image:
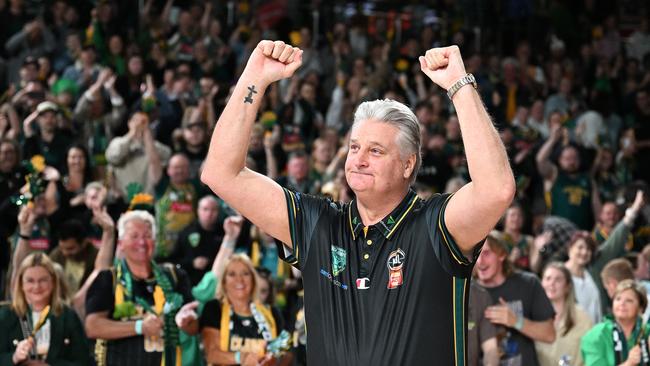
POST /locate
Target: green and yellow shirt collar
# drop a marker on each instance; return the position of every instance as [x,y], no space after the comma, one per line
[389,224]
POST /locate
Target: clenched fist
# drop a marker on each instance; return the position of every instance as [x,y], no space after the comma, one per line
[444,66]
[272,61]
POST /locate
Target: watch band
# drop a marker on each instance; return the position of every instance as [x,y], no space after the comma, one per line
[465,80]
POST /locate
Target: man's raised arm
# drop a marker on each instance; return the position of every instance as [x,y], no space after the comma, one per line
[474,210]
[255,196]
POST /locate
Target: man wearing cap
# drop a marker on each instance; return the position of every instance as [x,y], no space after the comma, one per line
[192,139]
[48,140]
[386,276]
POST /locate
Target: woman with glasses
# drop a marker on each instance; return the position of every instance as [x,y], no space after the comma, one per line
[38,328]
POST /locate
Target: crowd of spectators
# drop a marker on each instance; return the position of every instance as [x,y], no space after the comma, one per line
[117,101]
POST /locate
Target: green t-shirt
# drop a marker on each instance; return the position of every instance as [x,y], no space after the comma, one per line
[597,346]
[571,199]
[175,209]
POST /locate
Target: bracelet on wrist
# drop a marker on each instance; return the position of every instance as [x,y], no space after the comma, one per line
[238,357]
[138,327]
[24,237]
[468,79]
[229,244]
[519,324]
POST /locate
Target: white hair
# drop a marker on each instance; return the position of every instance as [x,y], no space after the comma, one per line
[135,215]
[399,115]
[92,186]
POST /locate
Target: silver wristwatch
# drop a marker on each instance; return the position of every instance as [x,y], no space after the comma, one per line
[467,79]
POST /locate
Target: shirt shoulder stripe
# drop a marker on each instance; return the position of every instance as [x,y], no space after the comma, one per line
[291,207]
[453,248]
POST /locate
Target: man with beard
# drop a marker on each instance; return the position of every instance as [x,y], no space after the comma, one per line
[75,253]
[570,193]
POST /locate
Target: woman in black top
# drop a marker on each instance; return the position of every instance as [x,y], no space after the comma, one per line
[236,327]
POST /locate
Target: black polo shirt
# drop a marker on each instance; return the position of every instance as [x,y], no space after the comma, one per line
[394,294]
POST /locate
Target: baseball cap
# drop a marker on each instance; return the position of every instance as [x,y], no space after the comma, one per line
[46,106]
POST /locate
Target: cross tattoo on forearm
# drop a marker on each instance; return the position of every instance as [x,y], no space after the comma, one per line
[249,97]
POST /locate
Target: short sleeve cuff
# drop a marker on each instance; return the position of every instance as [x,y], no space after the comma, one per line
[449,241]
[290,255]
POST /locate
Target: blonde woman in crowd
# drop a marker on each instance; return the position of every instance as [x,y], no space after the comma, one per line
[38,327]
[571,322]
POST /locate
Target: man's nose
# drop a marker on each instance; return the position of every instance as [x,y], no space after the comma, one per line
[361,159]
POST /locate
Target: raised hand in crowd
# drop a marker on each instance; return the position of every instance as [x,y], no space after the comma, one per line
[102,219]
[26,220]
[539,244]
[232,228]
[137,127]
[632,212]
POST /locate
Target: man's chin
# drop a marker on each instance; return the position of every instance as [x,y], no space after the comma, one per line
[358,183]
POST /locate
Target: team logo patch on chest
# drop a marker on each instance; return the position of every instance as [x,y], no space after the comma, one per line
[395,263]
[339,258]
[194,239]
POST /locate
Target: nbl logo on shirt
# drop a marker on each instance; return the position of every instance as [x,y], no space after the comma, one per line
[396,260]
[395,263]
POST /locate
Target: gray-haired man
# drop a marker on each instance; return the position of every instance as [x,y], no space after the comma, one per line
[386,276]
[131,307]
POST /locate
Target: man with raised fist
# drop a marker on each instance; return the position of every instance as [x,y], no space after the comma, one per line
[386,276]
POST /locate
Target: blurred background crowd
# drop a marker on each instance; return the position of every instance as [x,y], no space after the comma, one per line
[109,105]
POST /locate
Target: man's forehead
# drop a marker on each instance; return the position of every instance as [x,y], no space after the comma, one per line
[138,223]
[179,160]
[208,202]
[373,131]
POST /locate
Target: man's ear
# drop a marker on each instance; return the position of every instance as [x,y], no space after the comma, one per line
[409,166]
